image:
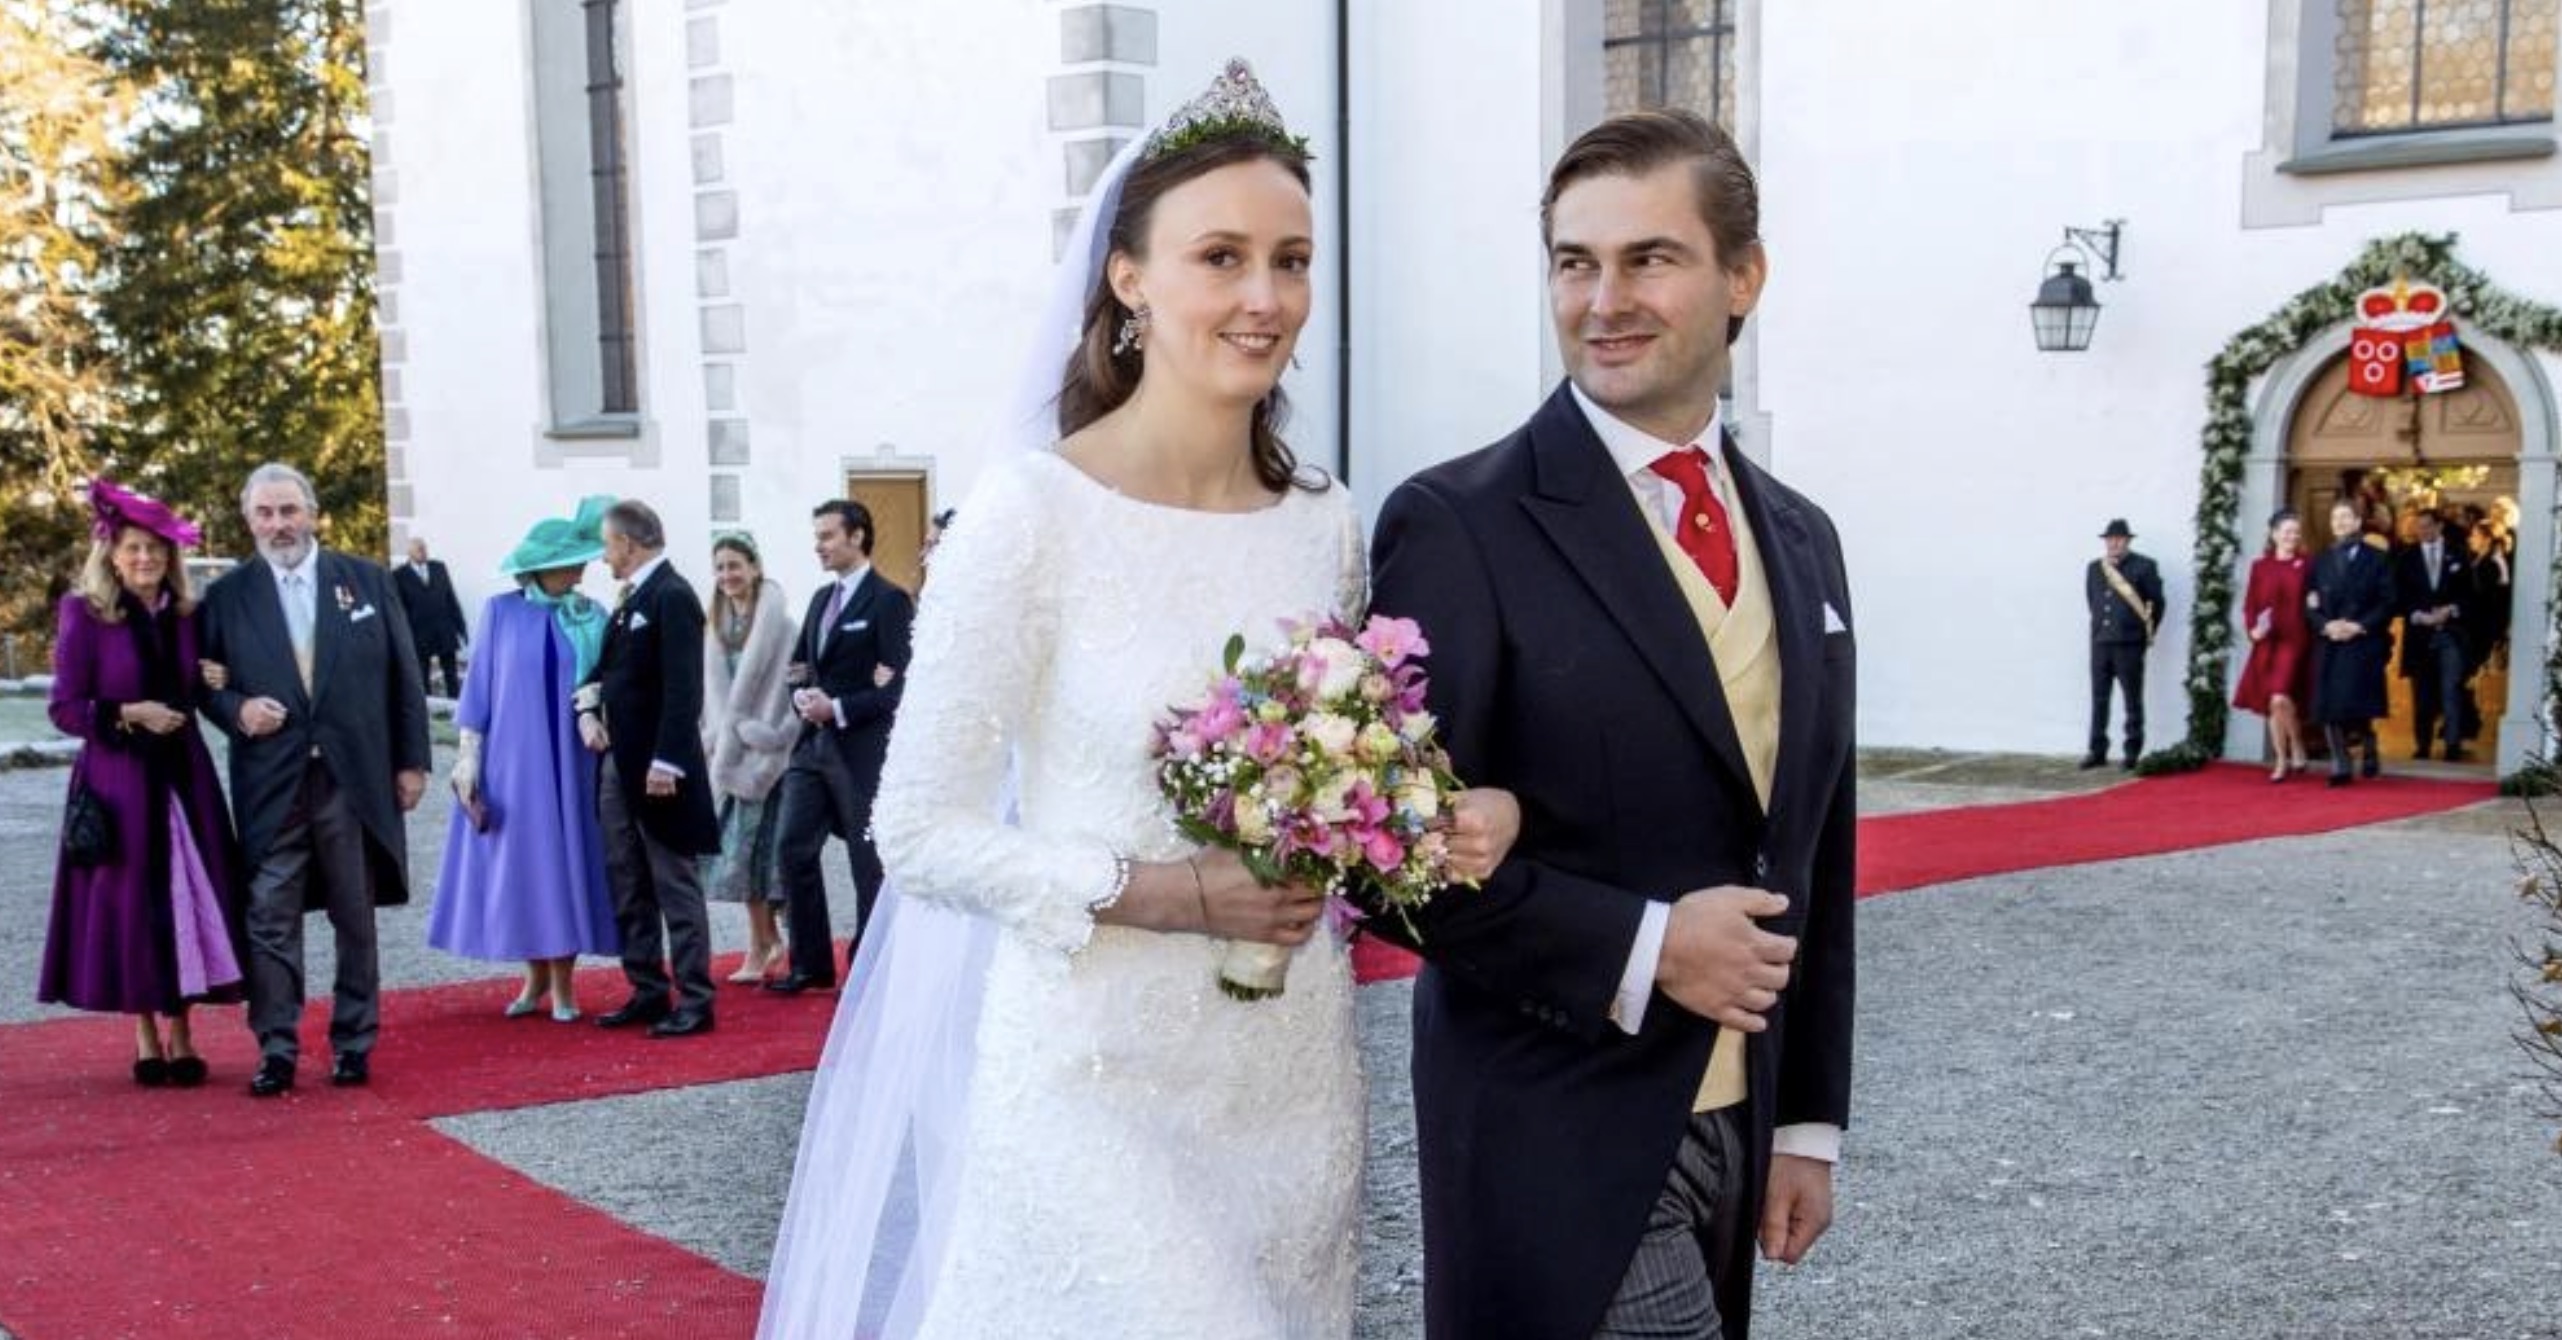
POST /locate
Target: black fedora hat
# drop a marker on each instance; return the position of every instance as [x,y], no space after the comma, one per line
[2117,530]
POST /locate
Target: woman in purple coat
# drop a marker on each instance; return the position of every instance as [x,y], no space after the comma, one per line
[524,872]
[152,925]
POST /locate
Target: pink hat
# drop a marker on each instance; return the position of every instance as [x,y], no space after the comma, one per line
[114,506]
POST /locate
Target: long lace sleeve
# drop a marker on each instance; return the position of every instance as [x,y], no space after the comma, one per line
[984,637]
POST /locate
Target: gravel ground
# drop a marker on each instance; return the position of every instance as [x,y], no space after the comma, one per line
[2262,1091]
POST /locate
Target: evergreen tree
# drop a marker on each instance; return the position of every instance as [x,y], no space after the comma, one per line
[240,296]
[59,187]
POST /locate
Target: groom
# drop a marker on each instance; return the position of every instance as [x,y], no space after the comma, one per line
[1632,1046]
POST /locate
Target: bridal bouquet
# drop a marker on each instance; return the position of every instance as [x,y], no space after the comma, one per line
[1318,766]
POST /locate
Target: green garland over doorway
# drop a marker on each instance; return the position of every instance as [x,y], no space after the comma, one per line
[2478,303]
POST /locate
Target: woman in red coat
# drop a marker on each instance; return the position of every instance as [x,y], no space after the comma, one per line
[148,925]
[2275,678]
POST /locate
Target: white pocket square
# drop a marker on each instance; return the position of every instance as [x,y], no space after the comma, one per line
[855,627]
[1832,619]
[639,620]
[361,615]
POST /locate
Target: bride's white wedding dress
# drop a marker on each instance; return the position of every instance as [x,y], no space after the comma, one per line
[1142,1155]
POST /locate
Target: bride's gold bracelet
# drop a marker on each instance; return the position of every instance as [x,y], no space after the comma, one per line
[1193,864]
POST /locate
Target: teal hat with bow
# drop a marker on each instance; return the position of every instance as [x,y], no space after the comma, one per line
[558,542]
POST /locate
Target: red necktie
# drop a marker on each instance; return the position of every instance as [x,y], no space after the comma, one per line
[1702,531]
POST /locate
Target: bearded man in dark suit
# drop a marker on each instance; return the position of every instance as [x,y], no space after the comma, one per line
[320,696]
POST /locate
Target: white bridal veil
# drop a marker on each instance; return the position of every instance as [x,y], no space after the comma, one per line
[863,1235]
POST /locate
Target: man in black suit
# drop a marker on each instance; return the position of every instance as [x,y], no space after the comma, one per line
[2434,586]
[642,708]
[1621,1081]
[2124,591]
[849,672]
[328,728]
[436,624]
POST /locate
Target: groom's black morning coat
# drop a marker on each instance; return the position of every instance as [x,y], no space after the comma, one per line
[1567,667]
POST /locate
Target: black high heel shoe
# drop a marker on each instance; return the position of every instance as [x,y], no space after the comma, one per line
[186,1072]
[151,1072]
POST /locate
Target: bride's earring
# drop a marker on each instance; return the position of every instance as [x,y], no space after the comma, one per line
[1134,332]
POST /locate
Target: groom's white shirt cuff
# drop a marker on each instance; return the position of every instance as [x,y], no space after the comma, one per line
[1820,1140]
[1637,980]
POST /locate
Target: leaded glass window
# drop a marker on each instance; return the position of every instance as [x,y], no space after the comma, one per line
[616,347]
[2407,65]
[1670,53]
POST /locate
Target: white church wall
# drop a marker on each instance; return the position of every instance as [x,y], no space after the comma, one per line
[1909,198]
[1450,311]
[894,174]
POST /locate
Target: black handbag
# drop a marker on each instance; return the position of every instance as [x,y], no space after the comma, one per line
[88,829]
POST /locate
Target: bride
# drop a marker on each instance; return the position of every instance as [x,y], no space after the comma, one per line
[1038,1116]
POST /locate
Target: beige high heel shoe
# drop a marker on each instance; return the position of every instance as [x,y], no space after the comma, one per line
[754,969]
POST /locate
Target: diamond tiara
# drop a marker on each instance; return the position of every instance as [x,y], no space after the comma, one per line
[1234,105]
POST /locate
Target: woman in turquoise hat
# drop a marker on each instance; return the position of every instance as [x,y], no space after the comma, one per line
[524,871]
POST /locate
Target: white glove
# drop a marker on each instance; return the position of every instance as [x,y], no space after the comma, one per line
[467,765]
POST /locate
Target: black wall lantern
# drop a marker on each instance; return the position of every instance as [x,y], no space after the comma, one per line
[2066,310]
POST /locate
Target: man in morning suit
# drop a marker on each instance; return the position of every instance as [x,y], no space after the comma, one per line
[2124,591]
[436,624]
[2434,586]
[328,728]
[1632,1045]
[642,708]
[850,670]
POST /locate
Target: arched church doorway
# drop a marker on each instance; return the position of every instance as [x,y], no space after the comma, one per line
[2455,454]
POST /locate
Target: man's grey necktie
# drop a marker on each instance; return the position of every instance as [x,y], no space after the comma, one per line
[835,611]
[298,603]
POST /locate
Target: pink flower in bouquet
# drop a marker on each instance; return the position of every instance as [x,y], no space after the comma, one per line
[1220,721]
[1268,742]
[1393,641]
[1411,687]
[1382,849]
[1364,806]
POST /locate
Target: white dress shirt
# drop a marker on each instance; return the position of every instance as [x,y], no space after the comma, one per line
[1635,451]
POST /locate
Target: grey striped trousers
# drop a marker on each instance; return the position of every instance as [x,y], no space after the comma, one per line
[1697,1247]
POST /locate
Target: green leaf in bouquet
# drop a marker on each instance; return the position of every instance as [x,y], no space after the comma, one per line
[1235,652]
[1203,831]
[1259,863]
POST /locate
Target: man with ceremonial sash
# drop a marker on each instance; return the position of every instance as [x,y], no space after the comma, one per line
[2124,589]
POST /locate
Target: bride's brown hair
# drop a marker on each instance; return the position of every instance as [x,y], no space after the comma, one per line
[1097,380]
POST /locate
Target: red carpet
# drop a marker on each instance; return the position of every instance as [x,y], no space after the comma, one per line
[201,1215]
[197,1215]
[2228,802]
